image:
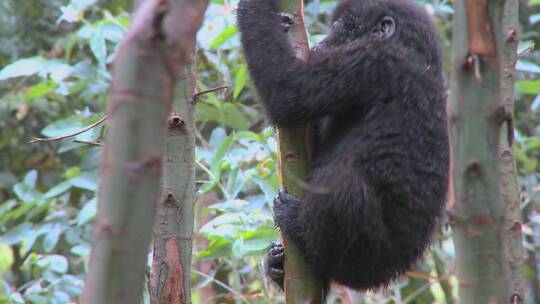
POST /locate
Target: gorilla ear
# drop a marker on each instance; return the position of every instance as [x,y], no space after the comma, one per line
[385,28]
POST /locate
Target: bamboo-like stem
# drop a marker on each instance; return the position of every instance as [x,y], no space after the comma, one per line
[483,216]
[147,66]
[301,284]
[173,227]
[510,185]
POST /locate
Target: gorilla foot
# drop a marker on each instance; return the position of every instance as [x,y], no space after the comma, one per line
[286,21]
[274,260]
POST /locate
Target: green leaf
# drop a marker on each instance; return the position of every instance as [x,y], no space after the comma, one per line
[215,165]
[86,181]
[232,117]
[527,66]
[243,247]
[267,189]
[206,112]
[62,127]
[234,205]
[6,258]
[16,298]
[98,46]
[81,250]
[254,242]
[56,263]
[224,36]
[72,172]
[41,89]
[248,135]
[61,297]
[52,237]
[30,178]
[58,189]
[241,79]
[17,233]
[87,212]
[224,225]
[218,248]
[22,67]
[26,193]
[528,86]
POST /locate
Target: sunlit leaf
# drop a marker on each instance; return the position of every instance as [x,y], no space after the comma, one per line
[86,181]
[528,86]
[224,36]
[52,237]
[81,250]
[241,79]
[87,212]
[22,67]
[56,263]
[58,189]
[218,248]
[527,66]
[98,46]
[17,233]
[41,89]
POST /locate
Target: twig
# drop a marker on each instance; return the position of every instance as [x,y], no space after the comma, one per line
[90,143]
[196,95]
[526,50]
[227,287]
[90,127]
[204,142]
[425,276]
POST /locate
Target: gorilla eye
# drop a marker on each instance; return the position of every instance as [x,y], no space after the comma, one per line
[385,28]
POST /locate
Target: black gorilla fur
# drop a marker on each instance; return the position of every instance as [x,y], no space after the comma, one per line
[375,88]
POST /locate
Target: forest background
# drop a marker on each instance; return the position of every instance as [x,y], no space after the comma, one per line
[55,58]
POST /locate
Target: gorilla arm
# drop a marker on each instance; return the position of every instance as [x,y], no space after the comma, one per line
[330,82]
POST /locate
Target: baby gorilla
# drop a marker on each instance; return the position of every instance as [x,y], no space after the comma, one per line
[374,88]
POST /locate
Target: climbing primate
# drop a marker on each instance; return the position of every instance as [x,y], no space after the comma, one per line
[374,88]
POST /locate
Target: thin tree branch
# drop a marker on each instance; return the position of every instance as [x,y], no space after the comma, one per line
[227,287]
[90,143]
[526,50]
[196,95]
[90,127]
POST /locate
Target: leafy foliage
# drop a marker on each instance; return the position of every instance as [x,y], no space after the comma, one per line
[54,78]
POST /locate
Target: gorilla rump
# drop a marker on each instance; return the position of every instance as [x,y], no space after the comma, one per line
[374,88]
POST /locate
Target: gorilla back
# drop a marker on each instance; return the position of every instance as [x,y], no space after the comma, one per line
[374,87]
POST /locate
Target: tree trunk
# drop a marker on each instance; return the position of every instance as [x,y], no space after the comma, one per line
[510,185]
[173,228]
[301,283]
[484,219]
[148,64]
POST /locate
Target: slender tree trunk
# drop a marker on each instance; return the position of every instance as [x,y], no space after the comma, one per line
[173,228]
[148,64]
[510,185]
[301,283]
[483,217]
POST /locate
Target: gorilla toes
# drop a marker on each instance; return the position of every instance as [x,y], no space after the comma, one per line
[286,21]
[274,260]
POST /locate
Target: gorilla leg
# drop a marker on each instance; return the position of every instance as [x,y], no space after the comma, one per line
[338,221]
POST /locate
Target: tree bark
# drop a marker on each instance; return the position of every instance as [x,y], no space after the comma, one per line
[510,185]
[487,230]
[173,228]
[148,64]
[301,284]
